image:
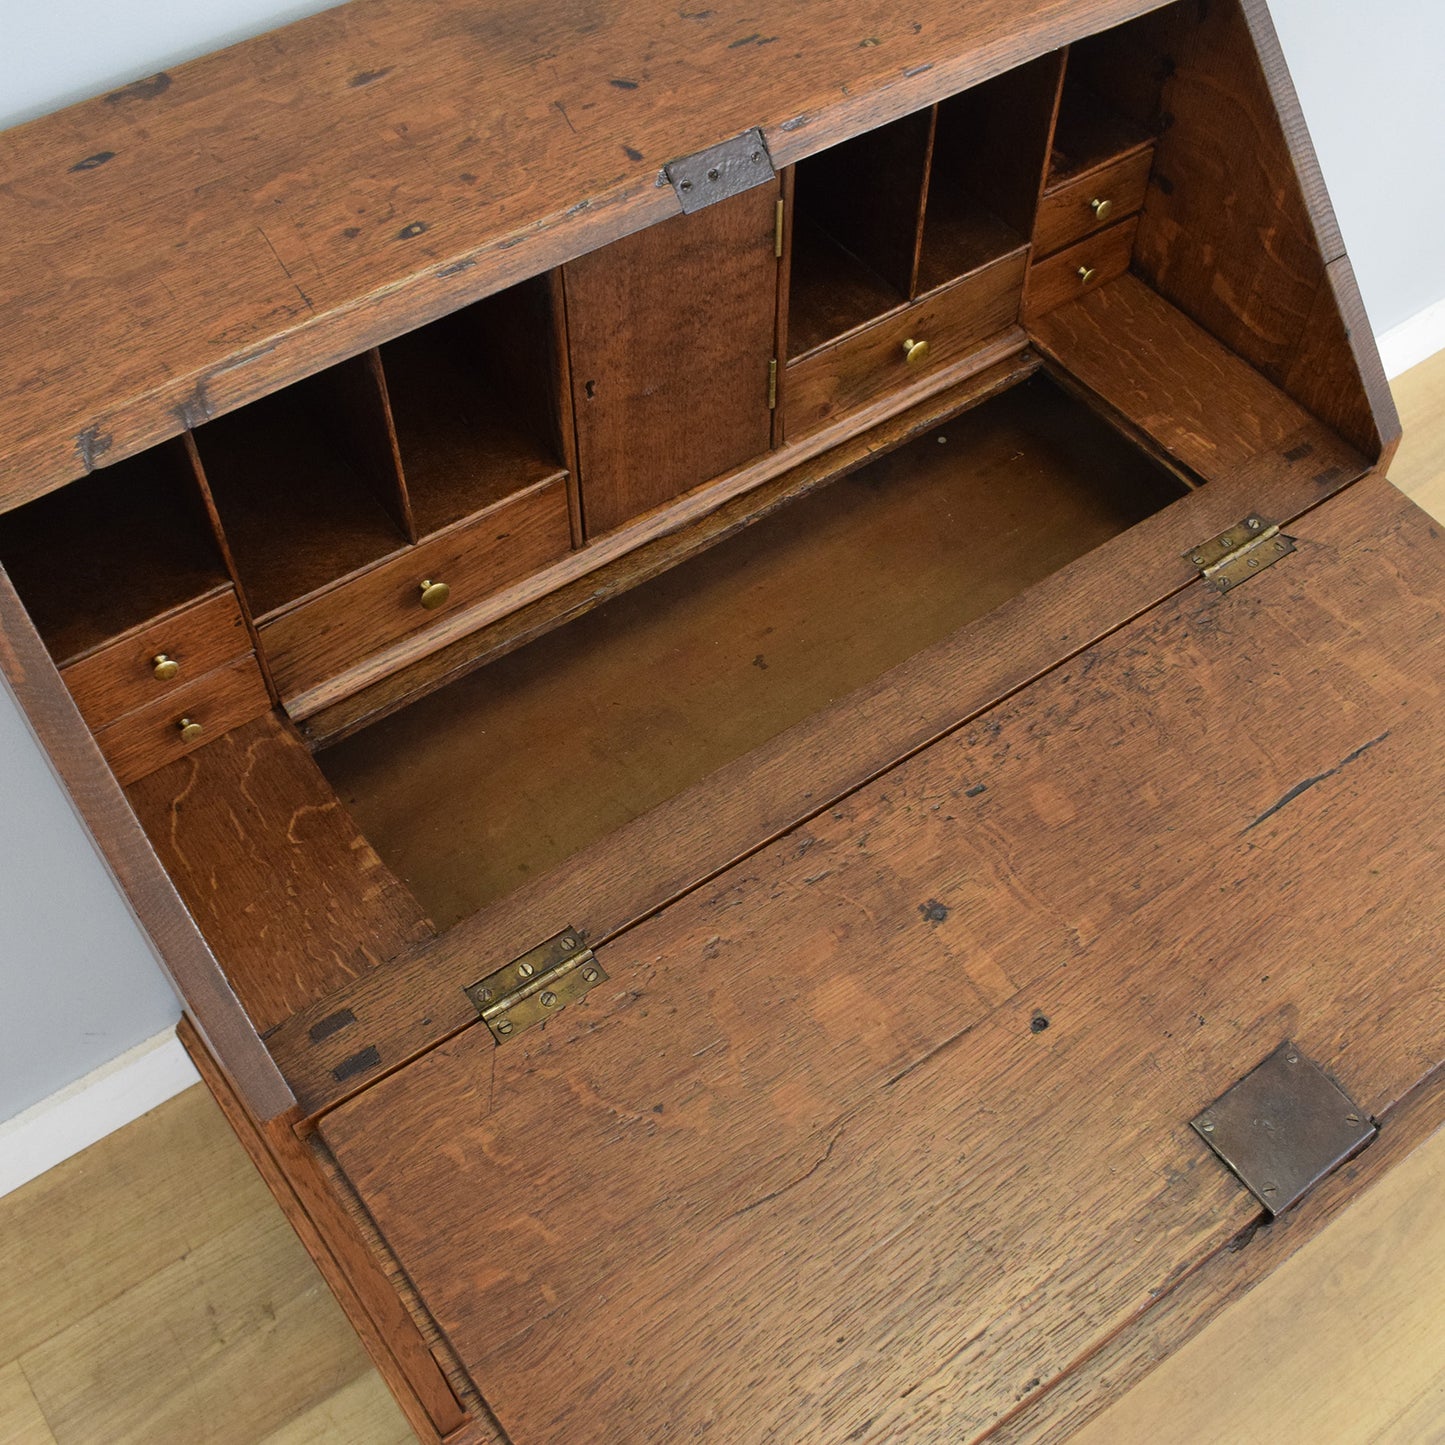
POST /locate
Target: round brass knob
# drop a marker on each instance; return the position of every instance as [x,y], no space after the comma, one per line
[165,668]
[189,730]
[1086,274]
[1102,208]
[915,353]
[434,595]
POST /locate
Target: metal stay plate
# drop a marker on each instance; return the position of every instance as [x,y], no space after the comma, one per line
[721,171]
[540,983]
[1283,1127]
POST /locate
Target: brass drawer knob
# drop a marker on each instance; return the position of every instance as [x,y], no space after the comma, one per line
[190,730]
[434,595]
[165,668]
[915,353]
[1086,274]
[1102,208]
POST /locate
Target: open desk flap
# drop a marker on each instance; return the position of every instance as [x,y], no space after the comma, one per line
[877,1134]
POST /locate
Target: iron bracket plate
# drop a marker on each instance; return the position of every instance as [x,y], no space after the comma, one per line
[540,983]
[1283,1127]
[709,176]
[1245,549]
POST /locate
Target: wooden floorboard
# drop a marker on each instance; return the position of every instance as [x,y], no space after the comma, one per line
[119,1253]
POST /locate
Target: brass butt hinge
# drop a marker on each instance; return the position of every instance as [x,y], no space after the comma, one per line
[773,384]
[778,230]
[540,983]
[1237,555]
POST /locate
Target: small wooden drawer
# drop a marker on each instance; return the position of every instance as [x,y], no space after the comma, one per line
[1071,210]
[1080,268]
[872,361]
[152,736]
[369,612]
[129,672]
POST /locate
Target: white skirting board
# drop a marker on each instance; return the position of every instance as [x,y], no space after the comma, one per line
[92,1107]
[1413,340]
[154,1071]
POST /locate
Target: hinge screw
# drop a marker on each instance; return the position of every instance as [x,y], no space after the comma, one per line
[1199,561]
[568,944]
[526,970]
[484,995]
[1207,1125]
[1271,1189]
[505,1027]
[590,974]
[1254,524]
[548,999]
[1352,1118]
[1291,1058]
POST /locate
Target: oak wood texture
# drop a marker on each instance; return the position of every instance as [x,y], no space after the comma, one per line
[719,1235]
[993,144]
[589,579]
[475,406]
[121,675]
[150,737]
[1079,269]
[1267,1335]
[288,263]
[298,510]
[1206,408]
[320,638]
[288,893]
[111,553]
[497,779]
[345,1259]
[866,197]
[462,632]
[832,382]
[671,332]
[122,844]
[1066,210]
[417,1001]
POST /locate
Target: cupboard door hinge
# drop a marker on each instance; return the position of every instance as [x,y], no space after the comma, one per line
[1283,1127]
[720,171]
[773,384]
[778,230]
[540,983]
[1237,555]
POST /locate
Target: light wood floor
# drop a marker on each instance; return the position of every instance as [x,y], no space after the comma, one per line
[154,1294]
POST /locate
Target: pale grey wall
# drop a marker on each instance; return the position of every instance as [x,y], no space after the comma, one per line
[78,983]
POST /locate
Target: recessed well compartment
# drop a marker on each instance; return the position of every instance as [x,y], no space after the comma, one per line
[501,776]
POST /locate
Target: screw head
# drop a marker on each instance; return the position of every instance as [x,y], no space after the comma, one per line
[1207,1125]
[1352,1118]
[484,995]
[590,974]
[526,970]
[568,944]
[1291,1058]
[505,1027]
[548,998]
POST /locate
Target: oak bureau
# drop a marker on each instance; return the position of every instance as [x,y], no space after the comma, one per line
[757,673]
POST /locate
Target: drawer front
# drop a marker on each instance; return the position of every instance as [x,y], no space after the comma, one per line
[1068,213]
[128,673]
[1080,268]
[872,362]
[151,736]
[362,616]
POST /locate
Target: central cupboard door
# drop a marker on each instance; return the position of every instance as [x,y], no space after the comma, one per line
[877,1133]
[671,334]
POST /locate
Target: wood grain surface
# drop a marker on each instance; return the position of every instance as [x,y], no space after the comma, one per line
[241,256]
[288,893]
[1165,376]
[418,1001]
[671,332]
[690,1149]
[838,379]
